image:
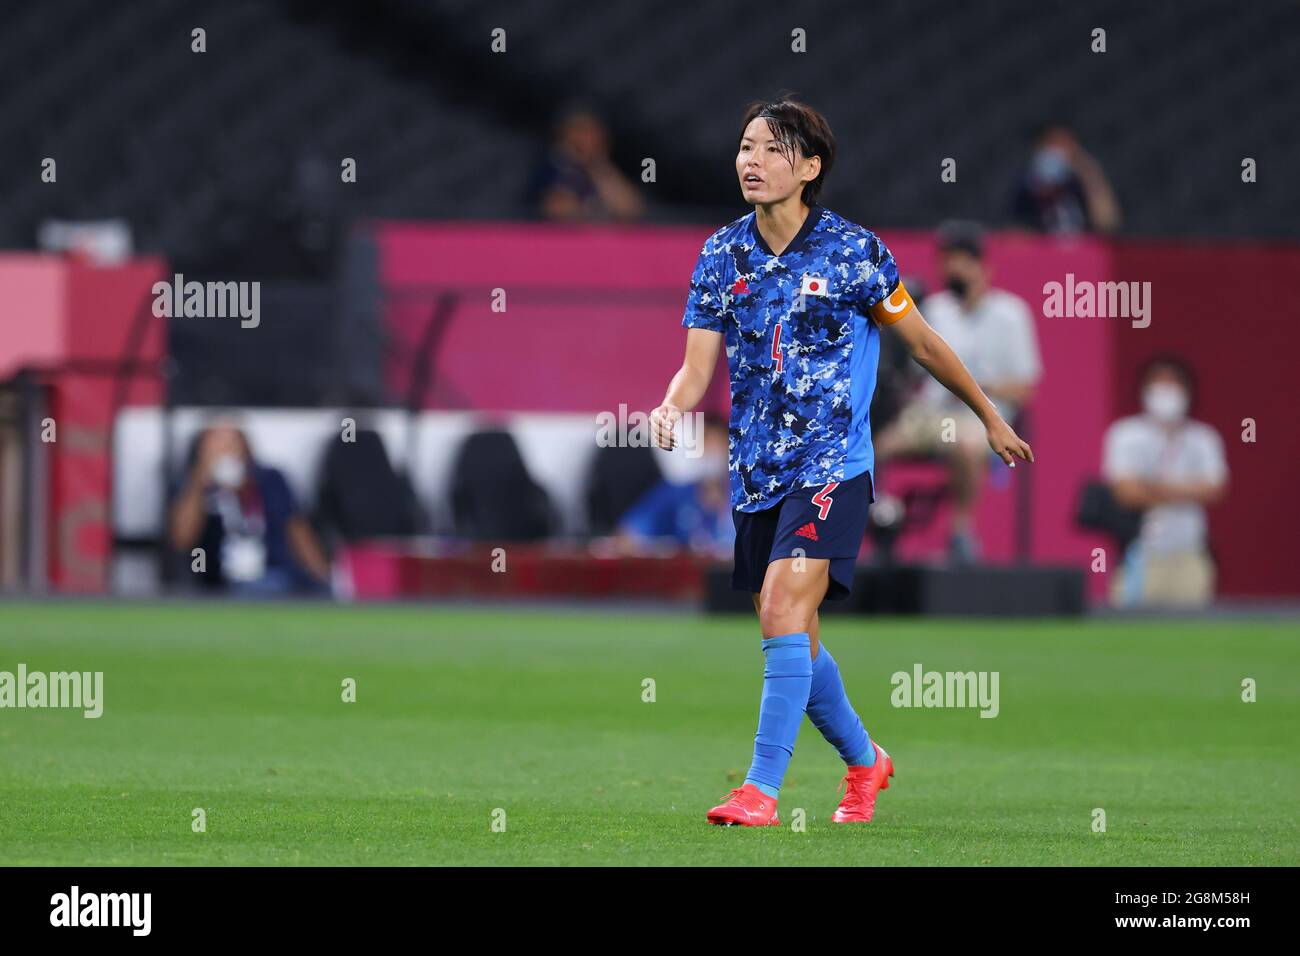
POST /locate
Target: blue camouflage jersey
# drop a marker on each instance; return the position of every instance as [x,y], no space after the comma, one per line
[802,339]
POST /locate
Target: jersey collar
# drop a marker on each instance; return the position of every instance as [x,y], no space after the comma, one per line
[800,237]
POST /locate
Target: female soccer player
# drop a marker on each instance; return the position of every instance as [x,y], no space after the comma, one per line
[799,295]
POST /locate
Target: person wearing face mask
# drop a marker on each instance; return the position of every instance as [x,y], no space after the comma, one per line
[992,331]
[1063,189]
[1169,467]
[244,517]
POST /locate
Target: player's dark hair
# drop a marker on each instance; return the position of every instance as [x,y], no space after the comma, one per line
[1168,362]
[800,130]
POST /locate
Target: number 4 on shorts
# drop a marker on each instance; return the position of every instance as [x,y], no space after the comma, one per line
[823,500]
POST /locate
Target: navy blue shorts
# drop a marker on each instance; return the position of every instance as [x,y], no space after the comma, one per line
[820,521]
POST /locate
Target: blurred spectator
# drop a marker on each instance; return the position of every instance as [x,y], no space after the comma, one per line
[992,331]
[244,517]
[695,515]
[577,181]
[1063,189]
[1169,467]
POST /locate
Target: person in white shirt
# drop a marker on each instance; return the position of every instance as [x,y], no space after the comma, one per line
[1169,467]
[992,332]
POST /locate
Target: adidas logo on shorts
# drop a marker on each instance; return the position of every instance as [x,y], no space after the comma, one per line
[808,531]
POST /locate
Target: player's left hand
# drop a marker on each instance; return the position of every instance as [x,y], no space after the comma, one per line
[1007,445]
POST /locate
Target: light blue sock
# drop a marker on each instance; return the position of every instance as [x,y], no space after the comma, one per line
[787,677]
[832,714]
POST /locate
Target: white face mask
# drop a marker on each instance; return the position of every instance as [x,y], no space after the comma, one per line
[229,471]
[1165,402]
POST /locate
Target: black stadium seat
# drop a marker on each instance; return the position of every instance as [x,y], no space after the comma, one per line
[493,497]
[361,494]
[618,477]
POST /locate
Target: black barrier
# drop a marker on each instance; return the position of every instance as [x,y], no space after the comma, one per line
[1022,590]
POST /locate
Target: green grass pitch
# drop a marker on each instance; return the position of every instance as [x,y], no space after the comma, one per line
[237,709]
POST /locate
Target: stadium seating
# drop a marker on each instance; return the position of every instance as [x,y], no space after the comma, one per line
[198,170]
[617,478]
[493,497]
[361,495]
[557,451]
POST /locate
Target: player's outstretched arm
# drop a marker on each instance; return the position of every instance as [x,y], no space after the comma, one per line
[934,355]
[688,385]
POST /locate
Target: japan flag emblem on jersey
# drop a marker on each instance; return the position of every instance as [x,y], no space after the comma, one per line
[814,285]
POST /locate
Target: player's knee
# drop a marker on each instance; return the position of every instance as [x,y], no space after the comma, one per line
[781,614]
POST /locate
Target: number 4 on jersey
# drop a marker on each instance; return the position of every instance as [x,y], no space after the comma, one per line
[776,346]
